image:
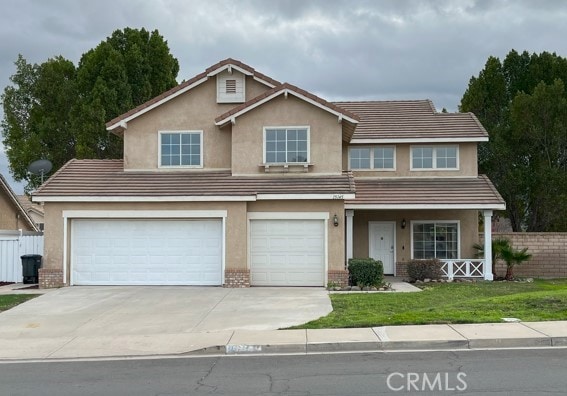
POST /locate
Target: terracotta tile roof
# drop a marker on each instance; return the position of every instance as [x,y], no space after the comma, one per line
[188,83]
[282,87]
[426,192]
[411,119]
[28,205]
[107,178]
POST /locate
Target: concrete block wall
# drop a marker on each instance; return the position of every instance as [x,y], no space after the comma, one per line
[548,250]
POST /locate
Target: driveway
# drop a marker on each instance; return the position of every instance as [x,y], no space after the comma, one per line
[86,311]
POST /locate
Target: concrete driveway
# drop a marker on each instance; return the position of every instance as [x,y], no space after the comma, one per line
[86,311]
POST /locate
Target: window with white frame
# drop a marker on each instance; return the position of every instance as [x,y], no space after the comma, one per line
[435,239]
[435,157]
[286,145]
[181,148]
[372,158]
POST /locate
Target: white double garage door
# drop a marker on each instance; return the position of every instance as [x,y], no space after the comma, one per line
[191,252]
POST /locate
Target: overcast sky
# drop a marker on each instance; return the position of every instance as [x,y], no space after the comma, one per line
[374,49]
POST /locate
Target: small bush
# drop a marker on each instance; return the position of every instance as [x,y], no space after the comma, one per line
[365,272]
[424,269]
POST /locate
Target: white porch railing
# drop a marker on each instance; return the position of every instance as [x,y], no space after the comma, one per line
[463,268]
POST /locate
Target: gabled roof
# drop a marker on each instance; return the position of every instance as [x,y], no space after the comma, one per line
[7,191]
[426,193]
[106,180]
[120,121]
[412,121]
[29,206]
[289,89]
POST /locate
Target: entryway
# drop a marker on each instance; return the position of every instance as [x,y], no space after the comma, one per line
[382,243]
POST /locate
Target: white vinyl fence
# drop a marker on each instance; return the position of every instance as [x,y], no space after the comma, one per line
[12,247]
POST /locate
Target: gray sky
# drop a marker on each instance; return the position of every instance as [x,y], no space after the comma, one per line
[376,49]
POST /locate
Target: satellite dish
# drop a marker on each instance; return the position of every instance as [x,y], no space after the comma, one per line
[40,167]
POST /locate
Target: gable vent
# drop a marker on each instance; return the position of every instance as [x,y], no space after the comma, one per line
[230,86]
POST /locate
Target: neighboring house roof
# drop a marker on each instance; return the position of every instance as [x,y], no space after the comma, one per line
[99,179]
[426,193]
[7,190]
[411,121]
[29,206]
[289,89]
[117,124]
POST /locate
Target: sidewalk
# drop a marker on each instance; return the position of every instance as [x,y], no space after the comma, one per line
[387,338]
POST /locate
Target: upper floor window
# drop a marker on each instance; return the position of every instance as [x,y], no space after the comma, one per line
[431,239]
[181,148]
[372,158]
[434,157]
[286,145]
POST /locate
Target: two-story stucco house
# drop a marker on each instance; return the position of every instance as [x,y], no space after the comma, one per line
[233,178]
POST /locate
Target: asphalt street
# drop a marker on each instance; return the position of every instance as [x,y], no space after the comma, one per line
[473,372]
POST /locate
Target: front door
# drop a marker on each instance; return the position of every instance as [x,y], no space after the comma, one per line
[382,243]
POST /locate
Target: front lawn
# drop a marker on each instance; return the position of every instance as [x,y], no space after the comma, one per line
[11,300]
[449,303]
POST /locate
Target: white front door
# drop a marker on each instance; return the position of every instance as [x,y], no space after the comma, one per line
[382,243]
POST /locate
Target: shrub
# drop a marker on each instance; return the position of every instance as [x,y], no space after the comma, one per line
[424,269]
[365,272]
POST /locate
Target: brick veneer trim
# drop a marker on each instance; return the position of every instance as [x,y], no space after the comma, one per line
[50,278]
[237,278]
[338,277]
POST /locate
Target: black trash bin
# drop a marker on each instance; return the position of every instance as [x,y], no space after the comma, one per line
[31,263]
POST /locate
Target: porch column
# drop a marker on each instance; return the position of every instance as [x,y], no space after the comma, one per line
[349,213]
[488,245]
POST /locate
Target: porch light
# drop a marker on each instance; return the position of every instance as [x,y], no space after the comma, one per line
[335,220]
[403,224]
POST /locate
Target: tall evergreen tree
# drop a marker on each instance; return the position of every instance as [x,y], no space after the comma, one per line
[57,111]
[519,101]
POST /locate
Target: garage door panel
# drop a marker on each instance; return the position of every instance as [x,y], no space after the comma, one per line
[287,252]
[130,252]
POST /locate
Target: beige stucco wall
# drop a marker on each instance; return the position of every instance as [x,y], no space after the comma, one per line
[336,235]
[193,110]
[235,227]
[467,163]
[325,135]
[468,229]
[10,217]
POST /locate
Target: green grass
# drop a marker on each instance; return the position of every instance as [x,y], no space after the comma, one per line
[449,303]
[11,300]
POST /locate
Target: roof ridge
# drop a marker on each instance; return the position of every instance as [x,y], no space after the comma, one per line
[282,87]
[475,119]
[491,186]
[189,82]
[432,106]
[383,101]
[50,179]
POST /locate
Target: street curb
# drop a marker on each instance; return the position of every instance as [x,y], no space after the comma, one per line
[389,346]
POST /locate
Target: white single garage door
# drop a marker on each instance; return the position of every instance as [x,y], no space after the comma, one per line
[287,252]
[146,252]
